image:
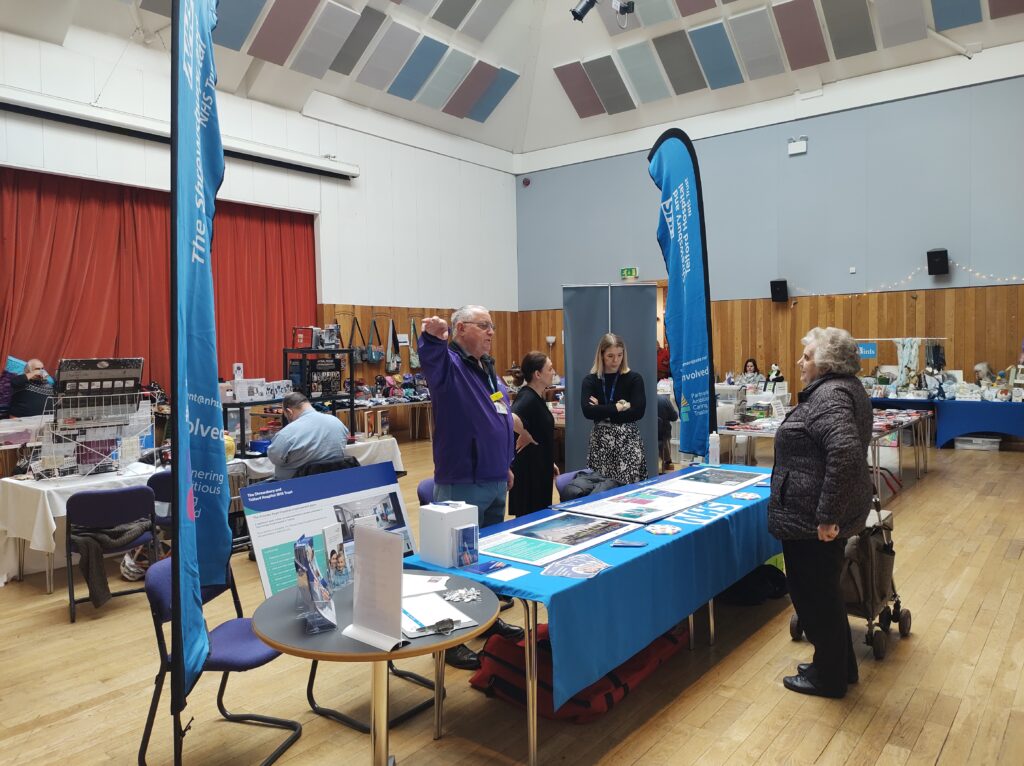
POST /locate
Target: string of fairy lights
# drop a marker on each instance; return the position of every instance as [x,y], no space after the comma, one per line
[905,282]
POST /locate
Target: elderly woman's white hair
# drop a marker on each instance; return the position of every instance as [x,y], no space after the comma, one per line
[835,350]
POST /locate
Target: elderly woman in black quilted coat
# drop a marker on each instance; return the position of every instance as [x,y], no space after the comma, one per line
[821,494]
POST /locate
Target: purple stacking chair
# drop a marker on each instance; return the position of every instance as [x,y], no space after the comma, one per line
[162,484]
[562,481]
[234,648]
[425,491]
[102,509]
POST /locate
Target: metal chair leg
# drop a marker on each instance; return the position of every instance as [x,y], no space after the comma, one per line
[71,588]
[265,720]
[151,718]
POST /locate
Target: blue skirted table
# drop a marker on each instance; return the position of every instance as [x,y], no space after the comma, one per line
[599,623]
[956,418]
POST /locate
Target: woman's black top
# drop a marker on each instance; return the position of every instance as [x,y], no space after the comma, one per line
[616,386]
[533,467]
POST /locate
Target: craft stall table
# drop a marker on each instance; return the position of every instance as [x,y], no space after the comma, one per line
[29,511]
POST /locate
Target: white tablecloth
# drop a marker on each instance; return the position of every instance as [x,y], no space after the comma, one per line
[29,510]
[377,450]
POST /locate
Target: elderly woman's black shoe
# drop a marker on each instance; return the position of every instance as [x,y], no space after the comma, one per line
[803,685]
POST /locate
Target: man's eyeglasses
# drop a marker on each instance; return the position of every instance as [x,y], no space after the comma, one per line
[484,325]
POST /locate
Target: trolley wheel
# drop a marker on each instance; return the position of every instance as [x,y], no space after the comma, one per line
[904,623]
[885,619]
[878,644]
[795,631]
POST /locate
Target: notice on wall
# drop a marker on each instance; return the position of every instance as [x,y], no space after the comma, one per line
[279,513]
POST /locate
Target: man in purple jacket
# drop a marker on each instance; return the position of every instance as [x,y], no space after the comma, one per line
[474,441]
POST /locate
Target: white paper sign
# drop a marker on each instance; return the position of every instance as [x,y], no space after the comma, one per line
[377,600]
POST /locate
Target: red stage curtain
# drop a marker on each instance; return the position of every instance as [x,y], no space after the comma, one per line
[84,272]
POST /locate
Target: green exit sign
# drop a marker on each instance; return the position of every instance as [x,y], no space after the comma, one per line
[630,272]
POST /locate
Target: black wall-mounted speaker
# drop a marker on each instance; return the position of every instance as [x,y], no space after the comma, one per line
[938,262]
[780,291]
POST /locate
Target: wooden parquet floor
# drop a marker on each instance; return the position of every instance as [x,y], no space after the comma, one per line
[951,693]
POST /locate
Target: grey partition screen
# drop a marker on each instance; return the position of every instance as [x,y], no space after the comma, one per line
[589,311]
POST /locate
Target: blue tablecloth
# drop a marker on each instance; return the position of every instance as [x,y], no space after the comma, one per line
[597,624]
[902,404]
[956,418]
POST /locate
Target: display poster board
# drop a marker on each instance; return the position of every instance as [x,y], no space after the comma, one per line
[280,512]
[661,499]
[552,538]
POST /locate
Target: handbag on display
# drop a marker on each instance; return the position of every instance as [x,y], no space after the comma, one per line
[374,351]
[358,349]
[394,354]
[414,354]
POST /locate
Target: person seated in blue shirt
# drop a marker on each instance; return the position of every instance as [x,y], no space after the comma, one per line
[309,437]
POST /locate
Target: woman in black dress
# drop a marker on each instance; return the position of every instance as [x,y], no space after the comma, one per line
[613,397]
[534,465]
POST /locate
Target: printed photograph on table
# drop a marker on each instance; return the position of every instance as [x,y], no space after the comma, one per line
[641,506]
[553,538]
[713,481]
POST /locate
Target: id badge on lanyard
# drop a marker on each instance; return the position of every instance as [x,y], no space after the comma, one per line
[499,405]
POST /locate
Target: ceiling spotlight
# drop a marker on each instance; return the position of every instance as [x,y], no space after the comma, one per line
[582,9]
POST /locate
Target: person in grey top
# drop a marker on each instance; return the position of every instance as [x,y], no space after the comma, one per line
[821,494]
[309,437]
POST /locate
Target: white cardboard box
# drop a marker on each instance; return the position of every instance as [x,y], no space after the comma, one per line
[437,520]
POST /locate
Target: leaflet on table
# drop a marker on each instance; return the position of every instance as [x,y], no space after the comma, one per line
[555,537]
[417,585]
[711,482]
[339,566]
[278,513]
[579,566]
[317,607]
[642,506]
[420,613]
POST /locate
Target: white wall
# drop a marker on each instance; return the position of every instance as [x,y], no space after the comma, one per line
[416,228]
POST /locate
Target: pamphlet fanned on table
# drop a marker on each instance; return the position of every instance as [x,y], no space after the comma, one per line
[377,601]
[465,544]
[314,593]
[421,613]
[555,537]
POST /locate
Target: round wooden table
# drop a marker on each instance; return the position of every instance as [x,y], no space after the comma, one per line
[278,625]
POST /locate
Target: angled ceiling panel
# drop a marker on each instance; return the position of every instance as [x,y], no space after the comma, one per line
[756,43]
[473,87]
[420,6]
[418,68]
[950,14]
[609,85]
[446,79]
[997,9]
[281,29]
[579,89]
[642,68]
[235,21]
[679,61]
[800,29]
[615,23]
[388,57]
[690,7]
[654,11]
[900,21]
[163,7]
[452,13]
[358,41]
[849,27]
[713,49]
[502,84]
[485,18]
[330,30]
